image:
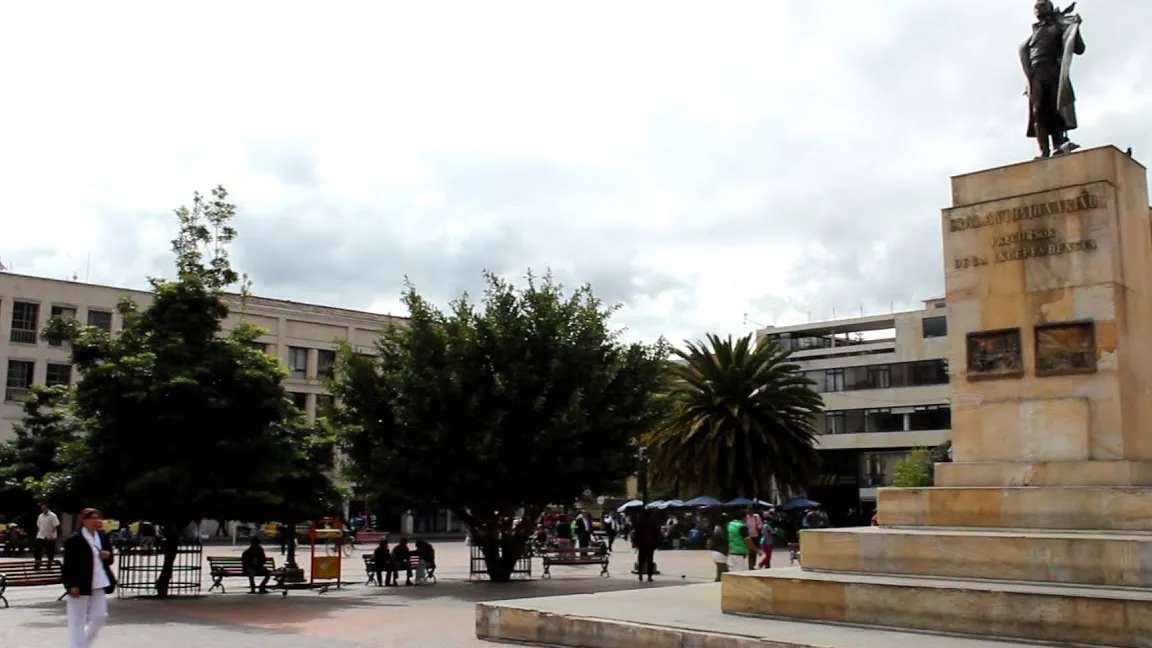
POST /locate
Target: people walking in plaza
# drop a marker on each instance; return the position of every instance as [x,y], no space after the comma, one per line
[584,529]
[646,538]
[755,524]
[767,541]
[718,545]
[254,561]
[740,545]
[88,579]
[382,561]
[286,535]
[47,529]
[611,528]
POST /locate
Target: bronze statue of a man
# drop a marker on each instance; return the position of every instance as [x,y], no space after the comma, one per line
[1047,60]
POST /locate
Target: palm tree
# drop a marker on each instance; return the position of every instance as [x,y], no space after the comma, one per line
[741,417]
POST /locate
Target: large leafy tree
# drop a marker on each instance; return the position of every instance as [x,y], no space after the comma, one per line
[34,464]
[494,410]
[742,418]
[183,421]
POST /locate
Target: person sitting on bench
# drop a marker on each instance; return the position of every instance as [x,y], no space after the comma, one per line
[427,554]
[253,560]
[382,563]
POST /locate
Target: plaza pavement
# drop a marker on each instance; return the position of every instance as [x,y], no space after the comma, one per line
[442,615]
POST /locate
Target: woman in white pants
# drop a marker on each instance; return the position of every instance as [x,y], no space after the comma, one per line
[88,578]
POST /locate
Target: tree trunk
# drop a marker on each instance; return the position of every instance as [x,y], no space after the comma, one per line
[170,546]
[501,555]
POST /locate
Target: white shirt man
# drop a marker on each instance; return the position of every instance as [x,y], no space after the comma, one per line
[47,526]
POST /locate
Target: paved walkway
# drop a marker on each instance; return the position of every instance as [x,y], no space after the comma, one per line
[641,619]
[433,616]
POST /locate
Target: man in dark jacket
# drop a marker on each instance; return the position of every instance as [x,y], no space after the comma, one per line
[382,563]
[646,539]
[254,561]
[88,578]
[402,559]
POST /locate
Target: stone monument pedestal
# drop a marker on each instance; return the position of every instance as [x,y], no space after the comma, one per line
[1041,529]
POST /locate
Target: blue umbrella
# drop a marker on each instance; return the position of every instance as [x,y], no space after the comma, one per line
[763,504]
[740,501]
[703,502]
[658,504]
[672,503]
[798,503]
[629,505]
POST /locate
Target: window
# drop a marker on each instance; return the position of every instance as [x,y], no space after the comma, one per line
[25,316]
[19,380]
[63,312]
[834,380]
[324,404]
[298,362]
[879,377]
[259,346]
[834,423]
[300,400]
[935,326]
[325,363]
[58,374]
[101,319]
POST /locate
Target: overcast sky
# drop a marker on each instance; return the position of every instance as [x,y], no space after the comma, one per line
[695,161]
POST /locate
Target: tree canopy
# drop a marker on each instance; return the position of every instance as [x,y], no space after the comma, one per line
[35,463]
[183,421]
[916,470]
[742,418]
[526,399]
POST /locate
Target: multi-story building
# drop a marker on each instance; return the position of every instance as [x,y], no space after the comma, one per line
[884,380]
[304,337]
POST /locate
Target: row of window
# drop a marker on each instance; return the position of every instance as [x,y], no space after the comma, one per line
[880,376]
[26,325]
[298,362]
[21,375]
[894,419]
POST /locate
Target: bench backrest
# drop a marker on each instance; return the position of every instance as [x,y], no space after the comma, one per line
[236,561]
[21,571]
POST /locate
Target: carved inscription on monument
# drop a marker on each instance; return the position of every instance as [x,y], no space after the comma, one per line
[995,354]
[1026,243]
[1065,348]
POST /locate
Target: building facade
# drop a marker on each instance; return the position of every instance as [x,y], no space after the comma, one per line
[884,380]
[305,337]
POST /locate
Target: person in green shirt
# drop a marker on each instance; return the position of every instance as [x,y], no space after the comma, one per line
[739,544]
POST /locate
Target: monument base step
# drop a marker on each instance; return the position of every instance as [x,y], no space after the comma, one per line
[1053,557]
[678,617]
[1093,508]
[1047,473]
[994,609]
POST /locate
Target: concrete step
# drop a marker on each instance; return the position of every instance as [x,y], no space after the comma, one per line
[1105,508]
[1097,559]
[678,617]
[992,609]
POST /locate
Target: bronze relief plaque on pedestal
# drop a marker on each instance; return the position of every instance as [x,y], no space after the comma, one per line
[995,354]
[1065,348]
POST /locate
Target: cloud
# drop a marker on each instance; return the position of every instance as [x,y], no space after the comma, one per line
[775,161]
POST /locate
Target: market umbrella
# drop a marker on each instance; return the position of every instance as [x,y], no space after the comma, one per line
[703,502]
[739,501]
[673,503]
[798,503]
[763,504]
[629,505]
[657,504]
